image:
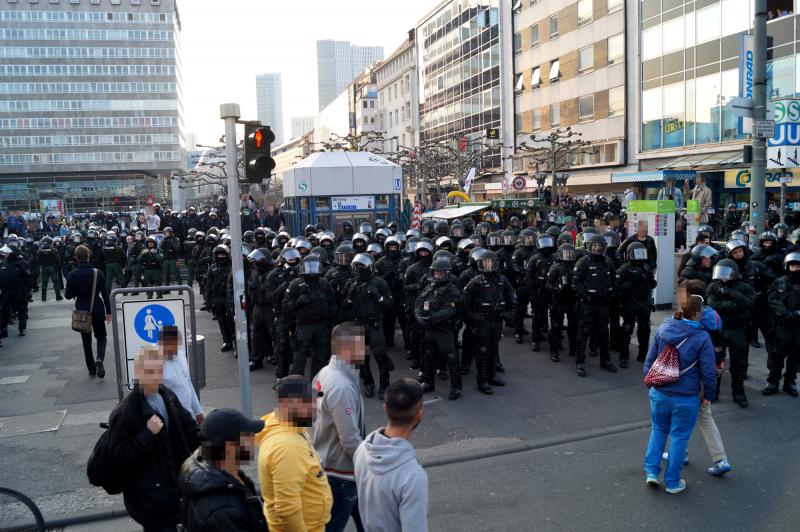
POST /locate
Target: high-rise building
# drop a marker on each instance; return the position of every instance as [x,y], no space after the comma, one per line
[269,102]
[570,72]
[90,104]
[301,125]
[338,63]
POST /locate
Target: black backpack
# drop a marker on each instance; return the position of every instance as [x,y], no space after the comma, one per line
[101,469]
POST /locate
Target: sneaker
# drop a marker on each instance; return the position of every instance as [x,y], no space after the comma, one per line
[665,457]
[719,468]
[652,480]
[101,370]
[679,488]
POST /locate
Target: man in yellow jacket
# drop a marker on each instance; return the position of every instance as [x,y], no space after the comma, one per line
[297,496]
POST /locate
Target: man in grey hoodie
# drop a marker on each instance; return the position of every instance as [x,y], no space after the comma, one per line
[392,486]
[339,426]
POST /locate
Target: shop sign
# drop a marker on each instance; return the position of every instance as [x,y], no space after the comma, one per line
[353,203]
[523,203]
[741,178]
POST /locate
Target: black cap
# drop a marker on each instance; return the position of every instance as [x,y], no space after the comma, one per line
[294,386]
[227,424]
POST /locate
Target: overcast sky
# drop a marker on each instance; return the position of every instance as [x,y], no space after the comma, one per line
[227,43]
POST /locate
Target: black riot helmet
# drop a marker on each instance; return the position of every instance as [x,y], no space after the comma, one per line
[444,242]
[169,232]
[508,237]
[781,230]
[567,253]
[515,223]
[596,245]
[382,234]
[637,252]
[111,239]
[46,242]
[290,258]
[138,236]
[475,255]
[360,241]
[527,237]
[151,240]
[466,245]
[735,244]
[344,255]
[726,270]
[553,231]
[564,238]
[392,245]
[469,226]
[488,263]
[442,228]
[222,253]
[484,228]
[440,268]
[701,251]
[366,228]
[428,228]
[767,236]
[309,230]
[362,264]
[379,223]
[456,231]
[612,239]
[424,244]
[249,237]
[260,258]
[545,242]
[706,230]
[311,267]
[493,240]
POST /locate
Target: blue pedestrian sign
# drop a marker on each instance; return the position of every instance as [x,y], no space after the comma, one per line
[150,319]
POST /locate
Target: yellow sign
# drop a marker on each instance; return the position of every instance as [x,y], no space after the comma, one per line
[741,178]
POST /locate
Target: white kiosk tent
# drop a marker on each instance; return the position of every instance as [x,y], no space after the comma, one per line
[333,187]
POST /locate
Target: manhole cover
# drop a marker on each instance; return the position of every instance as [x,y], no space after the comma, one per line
[31,423]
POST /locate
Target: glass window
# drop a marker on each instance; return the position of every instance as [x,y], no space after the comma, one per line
[780,77]
[534,35]
[537,120]
[651,42]
[690,114]
[615,5]
[673,124]
[730,89]
[517,43]
[554,70]
[616,101]
[673,34]
[586,107]
[651,118]
[519,85]
[708,23]
[616,48]
[708,108]
[584,11]
[737,16]
[536,77]
[585,59]
[555,114]
[690,30]
[553,26]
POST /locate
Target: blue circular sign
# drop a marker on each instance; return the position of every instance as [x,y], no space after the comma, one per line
[149,321]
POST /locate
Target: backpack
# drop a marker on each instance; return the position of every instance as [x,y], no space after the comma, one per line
[666,367]
[100,469]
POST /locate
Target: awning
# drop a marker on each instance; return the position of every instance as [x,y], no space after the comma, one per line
[455,212]
[715,161]
[658,175]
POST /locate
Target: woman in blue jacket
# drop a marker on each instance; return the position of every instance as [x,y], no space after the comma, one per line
[674,407]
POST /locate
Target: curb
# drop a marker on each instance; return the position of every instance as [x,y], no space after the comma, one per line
[81,518]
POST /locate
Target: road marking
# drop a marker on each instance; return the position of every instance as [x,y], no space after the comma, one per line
[20,367]
[31,423]
[14,380]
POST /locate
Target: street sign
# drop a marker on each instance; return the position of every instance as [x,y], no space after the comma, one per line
[142,321]
[765,129]
[518,183]
[524,203]
[352,203]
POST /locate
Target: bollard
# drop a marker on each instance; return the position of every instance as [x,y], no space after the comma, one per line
[198,380]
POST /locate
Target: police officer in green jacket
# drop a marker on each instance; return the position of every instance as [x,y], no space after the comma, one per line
[151,262]
[114,257]
[188,256]
[135,251]
[50,264]
[171,252]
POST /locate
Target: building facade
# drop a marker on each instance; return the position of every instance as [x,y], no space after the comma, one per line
[269,103]
[689,72]
[570,72]
[362,97]
[301,125]
[338,63]
[398,97]
[90,104]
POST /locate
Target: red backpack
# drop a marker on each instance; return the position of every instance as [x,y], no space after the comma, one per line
[666,367]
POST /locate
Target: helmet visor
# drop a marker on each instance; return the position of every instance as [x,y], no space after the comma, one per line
[596,248]
[457,231]
[343,259]
[493,240]
[311,267]
[639,254]
[545,242]
[508,240]
[526,240]
[568,255]
[723,273]
[488,265]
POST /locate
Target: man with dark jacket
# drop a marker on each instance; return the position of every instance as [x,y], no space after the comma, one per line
[151,436]
[217,495]
[644,238]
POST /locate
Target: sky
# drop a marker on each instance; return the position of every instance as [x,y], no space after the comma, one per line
[226,43]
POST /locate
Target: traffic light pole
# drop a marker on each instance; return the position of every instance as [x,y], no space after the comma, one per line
[230,113]
[759,166]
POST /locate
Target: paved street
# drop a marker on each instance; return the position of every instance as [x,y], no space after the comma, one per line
[577,444]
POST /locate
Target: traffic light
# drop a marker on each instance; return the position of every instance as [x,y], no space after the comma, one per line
[257,161]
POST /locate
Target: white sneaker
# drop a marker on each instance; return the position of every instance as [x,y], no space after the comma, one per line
[677,489]
[652,480]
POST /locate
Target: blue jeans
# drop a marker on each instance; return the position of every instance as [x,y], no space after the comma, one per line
[673,416]
[345,500]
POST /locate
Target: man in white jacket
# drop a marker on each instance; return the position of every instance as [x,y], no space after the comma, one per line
[392,486]
[339,429]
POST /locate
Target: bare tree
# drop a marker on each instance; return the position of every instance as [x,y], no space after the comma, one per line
[554,154]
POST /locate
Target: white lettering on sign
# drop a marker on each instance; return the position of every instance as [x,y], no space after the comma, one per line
[353,203]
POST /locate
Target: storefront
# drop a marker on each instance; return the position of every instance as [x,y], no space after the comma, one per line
[648,184]
[737,188]
[334,187]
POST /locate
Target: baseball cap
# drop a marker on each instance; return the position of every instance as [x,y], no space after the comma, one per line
[227,424]
[294,386]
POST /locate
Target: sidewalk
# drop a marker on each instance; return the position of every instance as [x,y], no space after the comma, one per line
[51,407]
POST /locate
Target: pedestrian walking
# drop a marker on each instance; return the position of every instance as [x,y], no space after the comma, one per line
[216,494]
[392,486]
[674,406]
[339,426]
[87,286]
[294,485]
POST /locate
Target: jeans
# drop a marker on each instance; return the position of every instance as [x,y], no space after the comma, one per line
[99,328]
[707,426]
[673,416]
[345,503]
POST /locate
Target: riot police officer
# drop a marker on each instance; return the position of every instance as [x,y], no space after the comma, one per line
[16,280]
[411,287]
[536,279]
[187,249]
[150,261]
[700,264]
[635,280]
[171,251]
[263,317]
[277,283]
[135,251]
[565,301]
[217,295]
[366,297]
[487,300]
[436,312]
[338,276]
[784,299]
[50,265]
[388,268]
[593,283]
[310,303]
[114,257]
[519,260]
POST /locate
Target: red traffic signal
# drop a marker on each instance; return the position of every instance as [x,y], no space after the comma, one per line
[260,137]
[258,164]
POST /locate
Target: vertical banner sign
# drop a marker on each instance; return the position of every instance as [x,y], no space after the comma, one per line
[746,77]
[660,218]
[783,150]
[692,222]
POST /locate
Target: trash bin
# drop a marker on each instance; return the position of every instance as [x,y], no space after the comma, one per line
[198,380]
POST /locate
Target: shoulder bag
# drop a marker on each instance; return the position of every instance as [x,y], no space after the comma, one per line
[82,319]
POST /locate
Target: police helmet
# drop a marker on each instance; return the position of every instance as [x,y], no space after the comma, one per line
[466,244]
[382,233]
[249,236]
[412,233]
[567,253]
[793,257]
[375,249]
[612,239]
[428,227]
[564,238]
[424,244]
[309,230]
[781,230]
[365,228]
[475,255]
[260,257]
[553,231]
[360,237]
[111,238]
[302,245]
[637,251]
[706,230]
[290,256]
[442,228]
[508,237]
[394,242]
[734,244]
[484,228]
[545,242]
[493,239]
[151,239]
[488,262]
[767,236]
[527,237]
[444,242]
[726,270]
[311,266]
[440,264]
[343,255]
[363,261]
[379,223]
[596,244]
[457,231]
[222,249]
[514,222]
[169,231]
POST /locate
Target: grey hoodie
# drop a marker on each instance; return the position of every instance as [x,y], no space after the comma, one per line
[392,486]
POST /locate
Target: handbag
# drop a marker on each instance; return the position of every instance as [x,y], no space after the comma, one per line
[82,319]
[666,367]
